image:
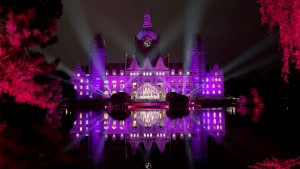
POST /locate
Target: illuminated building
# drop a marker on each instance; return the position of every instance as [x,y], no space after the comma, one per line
[147,75]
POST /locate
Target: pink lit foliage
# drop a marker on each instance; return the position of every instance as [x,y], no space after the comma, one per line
[26,26]
[277,163]
[285,14]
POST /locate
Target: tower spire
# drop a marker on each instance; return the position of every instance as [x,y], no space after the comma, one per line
[147,20]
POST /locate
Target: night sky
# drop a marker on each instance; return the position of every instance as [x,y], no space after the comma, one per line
[233,34]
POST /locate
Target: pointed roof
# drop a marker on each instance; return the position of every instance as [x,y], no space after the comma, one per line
[133,65]
[147,29]
[160,64]
[216,70]
[147,65]
[78,68]
[147,20]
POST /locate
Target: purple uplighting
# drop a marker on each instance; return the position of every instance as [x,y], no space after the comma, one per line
[147,75]
[150,126]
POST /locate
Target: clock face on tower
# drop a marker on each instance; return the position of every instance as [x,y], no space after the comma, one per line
[147,43]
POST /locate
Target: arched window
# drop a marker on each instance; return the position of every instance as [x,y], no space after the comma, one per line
[114,85]
[147,81]
[180,72]
[134,84]
[160,83]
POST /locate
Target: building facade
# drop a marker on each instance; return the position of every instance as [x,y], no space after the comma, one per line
[147,75]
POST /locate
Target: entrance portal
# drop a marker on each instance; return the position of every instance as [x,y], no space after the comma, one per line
[147,92]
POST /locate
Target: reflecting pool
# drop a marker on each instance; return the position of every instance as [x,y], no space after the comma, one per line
[235,137]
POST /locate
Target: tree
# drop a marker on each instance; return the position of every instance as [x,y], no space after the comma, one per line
[28,136]
[68,91]
[284,14]
[119,99]
[26,26]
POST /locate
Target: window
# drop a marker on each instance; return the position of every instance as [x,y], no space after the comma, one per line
[81,80]
[114,72]
[114,85]
[213,85]
[87,86]
[80,93]
[172,72]
[81,86]
[180,72]
[122,85]
[134,85]
[78,75]
[160,84]
[75,87]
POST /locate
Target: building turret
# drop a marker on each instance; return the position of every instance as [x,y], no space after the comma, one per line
[97,63]
[197,63]
[147,42]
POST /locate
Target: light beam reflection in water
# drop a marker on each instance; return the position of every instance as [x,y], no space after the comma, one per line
[144,130]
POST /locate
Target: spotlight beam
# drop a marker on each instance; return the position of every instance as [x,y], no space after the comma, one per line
[250,53]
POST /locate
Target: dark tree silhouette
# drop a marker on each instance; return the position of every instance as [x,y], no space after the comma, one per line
[119,99]
[29,135]
[177,101]
[26,26]
[68,91]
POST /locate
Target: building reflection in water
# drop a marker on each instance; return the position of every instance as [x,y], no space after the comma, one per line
[147,127]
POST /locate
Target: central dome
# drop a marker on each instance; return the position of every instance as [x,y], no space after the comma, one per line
[147,30]
[146,33]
